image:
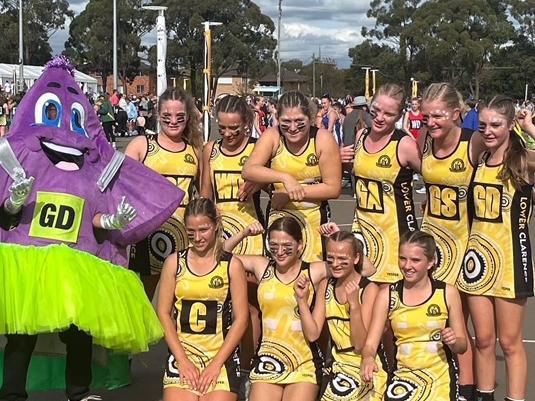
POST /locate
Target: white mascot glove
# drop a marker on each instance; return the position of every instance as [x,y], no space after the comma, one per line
[124,216]
[20,190]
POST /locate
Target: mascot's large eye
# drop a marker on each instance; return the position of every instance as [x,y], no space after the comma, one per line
[78,119]
[48,110]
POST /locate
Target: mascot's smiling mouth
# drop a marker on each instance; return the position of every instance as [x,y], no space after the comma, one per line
[63,157]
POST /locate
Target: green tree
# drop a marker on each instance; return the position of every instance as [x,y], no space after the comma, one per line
[42,18]
[379,56]
[91,35]
[457,38]
[245,38]
[523,11]
[393,19]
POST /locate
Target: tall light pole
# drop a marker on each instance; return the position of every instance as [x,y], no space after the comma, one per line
[207,76]
[313,75]
[21,51]
[115,73]
[367,82]
[279,48]
[373,80]
[161,49]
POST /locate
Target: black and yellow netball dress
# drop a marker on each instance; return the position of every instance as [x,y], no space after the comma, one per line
[385,208]
[447,180]
[226,182]
[345,383]
[203,311]
[498,256]
[181,169]
[285,355]
[425,367]
[304,167]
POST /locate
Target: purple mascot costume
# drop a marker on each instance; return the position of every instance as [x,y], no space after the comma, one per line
[69,206]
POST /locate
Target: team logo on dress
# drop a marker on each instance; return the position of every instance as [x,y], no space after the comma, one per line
[394,298]
[401,390]
[268,274]
[463,192]
[189,159]
[216,282]
[312,160]
[214,153]
[243,159]
[433,310]
[474,267]
[387,187]
[296,312]
[384,162]
[329,292]
[152,149]
[435,335]
[343,385]
[506,201]
[269,364]
[457,166]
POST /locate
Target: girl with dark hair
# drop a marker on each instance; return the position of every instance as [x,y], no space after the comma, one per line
[427,320]
[303,165]
[497,273]
[287,365]
[383,160]
[223,160]
[237,200]
[202,305]
[175,152]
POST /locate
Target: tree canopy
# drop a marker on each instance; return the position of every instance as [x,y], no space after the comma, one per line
[91,32]
[466,42]
[42,18]
[244,41]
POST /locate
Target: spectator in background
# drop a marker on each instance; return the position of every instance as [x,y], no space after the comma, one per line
[3,115]
[104,110]
[413,120]
[357,117]
[471,119]
[114,99]
[338,126]
[272,120]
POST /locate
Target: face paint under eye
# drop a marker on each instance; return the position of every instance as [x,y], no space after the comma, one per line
[285,249]
[180,119]
[482,127]
[441,114]
[425,120]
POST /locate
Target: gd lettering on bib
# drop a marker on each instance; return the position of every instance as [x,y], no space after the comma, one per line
[57,216]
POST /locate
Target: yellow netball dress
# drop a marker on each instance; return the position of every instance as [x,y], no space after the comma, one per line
[203,311]
[385,208]
[447,180]
[226,182]
[285,356]
[425,367]
[181,169]
[345,382]
[498,256]
[304,167]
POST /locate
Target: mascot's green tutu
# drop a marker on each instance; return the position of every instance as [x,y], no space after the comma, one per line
[104,300]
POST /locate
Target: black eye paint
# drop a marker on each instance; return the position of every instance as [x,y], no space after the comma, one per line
[482,127]
[286,249]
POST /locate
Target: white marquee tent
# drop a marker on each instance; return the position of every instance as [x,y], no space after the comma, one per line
[10,73]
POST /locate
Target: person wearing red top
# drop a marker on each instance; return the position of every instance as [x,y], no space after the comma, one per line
[413,119]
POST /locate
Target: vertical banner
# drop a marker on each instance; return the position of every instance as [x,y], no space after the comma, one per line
[161,55]
[367,83]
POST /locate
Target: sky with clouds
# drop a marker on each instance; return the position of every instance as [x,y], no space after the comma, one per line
[307,25]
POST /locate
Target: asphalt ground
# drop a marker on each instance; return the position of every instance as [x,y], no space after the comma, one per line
[147,368]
